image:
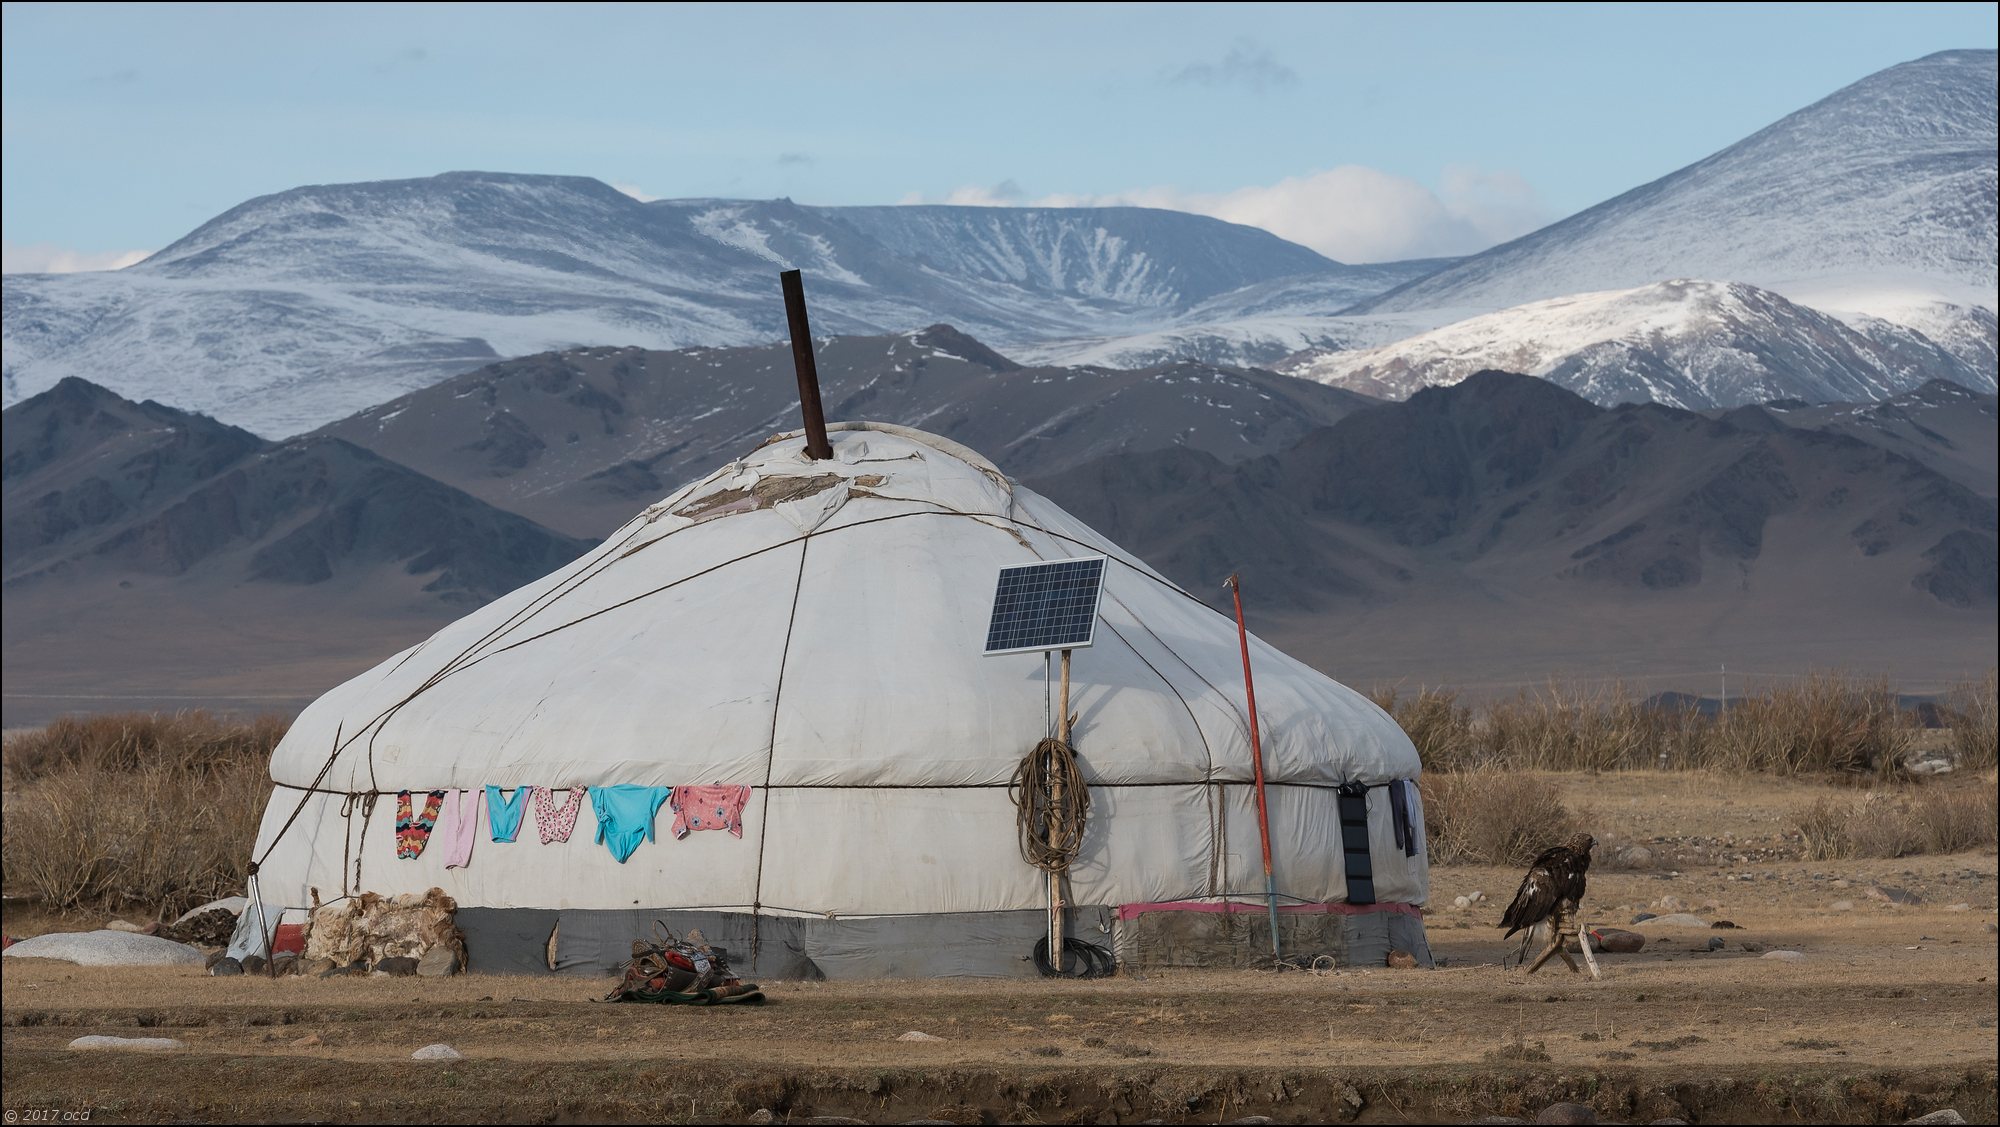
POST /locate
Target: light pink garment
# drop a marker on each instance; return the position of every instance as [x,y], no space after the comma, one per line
[458,825]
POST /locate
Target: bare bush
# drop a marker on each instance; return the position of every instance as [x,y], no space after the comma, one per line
[155,812]
[1572,728]
[1828,723]
[1975,722]
[1823,831]
[1934,818]
[1491,817]
[128,740]
[1437,724]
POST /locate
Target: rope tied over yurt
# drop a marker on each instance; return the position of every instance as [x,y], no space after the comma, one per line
[1051,827]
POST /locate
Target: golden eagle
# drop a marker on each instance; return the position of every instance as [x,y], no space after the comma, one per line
[1551,892]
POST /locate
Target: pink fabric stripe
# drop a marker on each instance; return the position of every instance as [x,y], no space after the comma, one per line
[1132,911]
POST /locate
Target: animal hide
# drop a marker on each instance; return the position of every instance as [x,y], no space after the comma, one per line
[369,928]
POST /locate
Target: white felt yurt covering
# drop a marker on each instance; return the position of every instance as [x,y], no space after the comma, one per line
[813,629]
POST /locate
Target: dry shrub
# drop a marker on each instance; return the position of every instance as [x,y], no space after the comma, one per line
[1936,818]
[1569,728]
[1823,831]
[1491,817]
[159,813]
[1435,722]
[129,740]
[1975,722]
[1827,723]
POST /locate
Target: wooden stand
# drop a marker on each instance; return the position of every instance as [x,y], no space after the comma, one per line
[1565,929]
[1055,824]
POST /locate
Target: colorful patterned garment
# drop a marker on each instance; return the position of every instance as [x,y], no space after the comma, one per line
[411,835]
[554,823]
[708,808]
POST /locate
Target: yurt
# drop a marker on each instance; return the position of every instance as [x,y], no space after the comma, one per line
[765,709]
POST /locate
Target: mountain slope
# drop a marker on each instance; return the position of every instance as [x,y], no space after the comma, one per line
[151,553]
[295,309]
[1504,526]
[581,440]
[1683,343]
[1880,198]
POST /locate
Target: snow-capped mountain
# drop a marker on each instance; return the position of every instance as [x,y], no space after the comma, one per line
[1692,344]
[294,309]
[1878,199]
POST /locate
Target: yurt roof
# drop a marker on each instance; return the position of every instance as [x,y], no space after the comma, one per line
[790,622]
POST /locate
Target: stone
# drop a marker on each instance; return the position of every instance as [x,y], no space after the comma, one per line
[1751,946]
[1890,894]
[1841,906]
[1784,956]
[1642,917]
[1669,904]
[1725,925]
[1678,919]
[438,962]
[317,968]
[1567,1113]
[225,967]
[439,1051]
[761,1116]
[234,905]
[136,1044]
[125,925]
[253,964]
[918,1035]
[1254,1119]
[1714,943]
[1959,907]
[1635,857]
[399,966]
[1945,1115]
[1461,902]
[284,964]
[106,948]
[1476,896]
[1617,941]
[1402,960]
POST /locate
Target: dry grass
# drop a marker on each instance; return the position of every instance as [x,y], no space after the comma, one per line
[1827,723]
[1975,721]
[1491,816]
[1934,818]
[130,740]
[157,813]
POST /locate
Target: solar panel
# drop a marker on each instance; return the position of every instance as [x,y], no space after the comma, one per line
[1045,606]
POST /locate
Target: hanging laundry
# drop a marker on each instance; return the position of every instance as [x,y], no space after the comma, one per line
[413,833]
[504,814]
[459,824]
[556,823]
[709,808]
[625,816]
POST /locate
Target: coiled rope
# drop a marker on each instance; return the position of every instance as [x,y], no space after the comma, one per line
[1051,830]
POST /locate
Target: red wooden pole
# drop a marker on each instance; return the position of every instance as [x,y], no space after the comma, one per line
[1257,765]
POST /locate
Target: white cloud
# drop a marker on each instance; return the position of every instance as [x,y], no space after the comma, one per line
[46,258]
[1351,213]
[635,191]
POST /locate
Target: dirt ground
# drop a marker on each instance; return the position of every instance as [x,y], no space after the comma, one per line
[1890,1014]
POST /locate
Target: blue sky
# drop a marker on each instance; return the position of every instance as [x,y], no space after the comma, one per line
[1369,132]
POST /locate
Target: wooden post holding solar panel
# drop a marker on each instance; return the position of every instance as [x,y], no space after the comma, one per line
[1039,607]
